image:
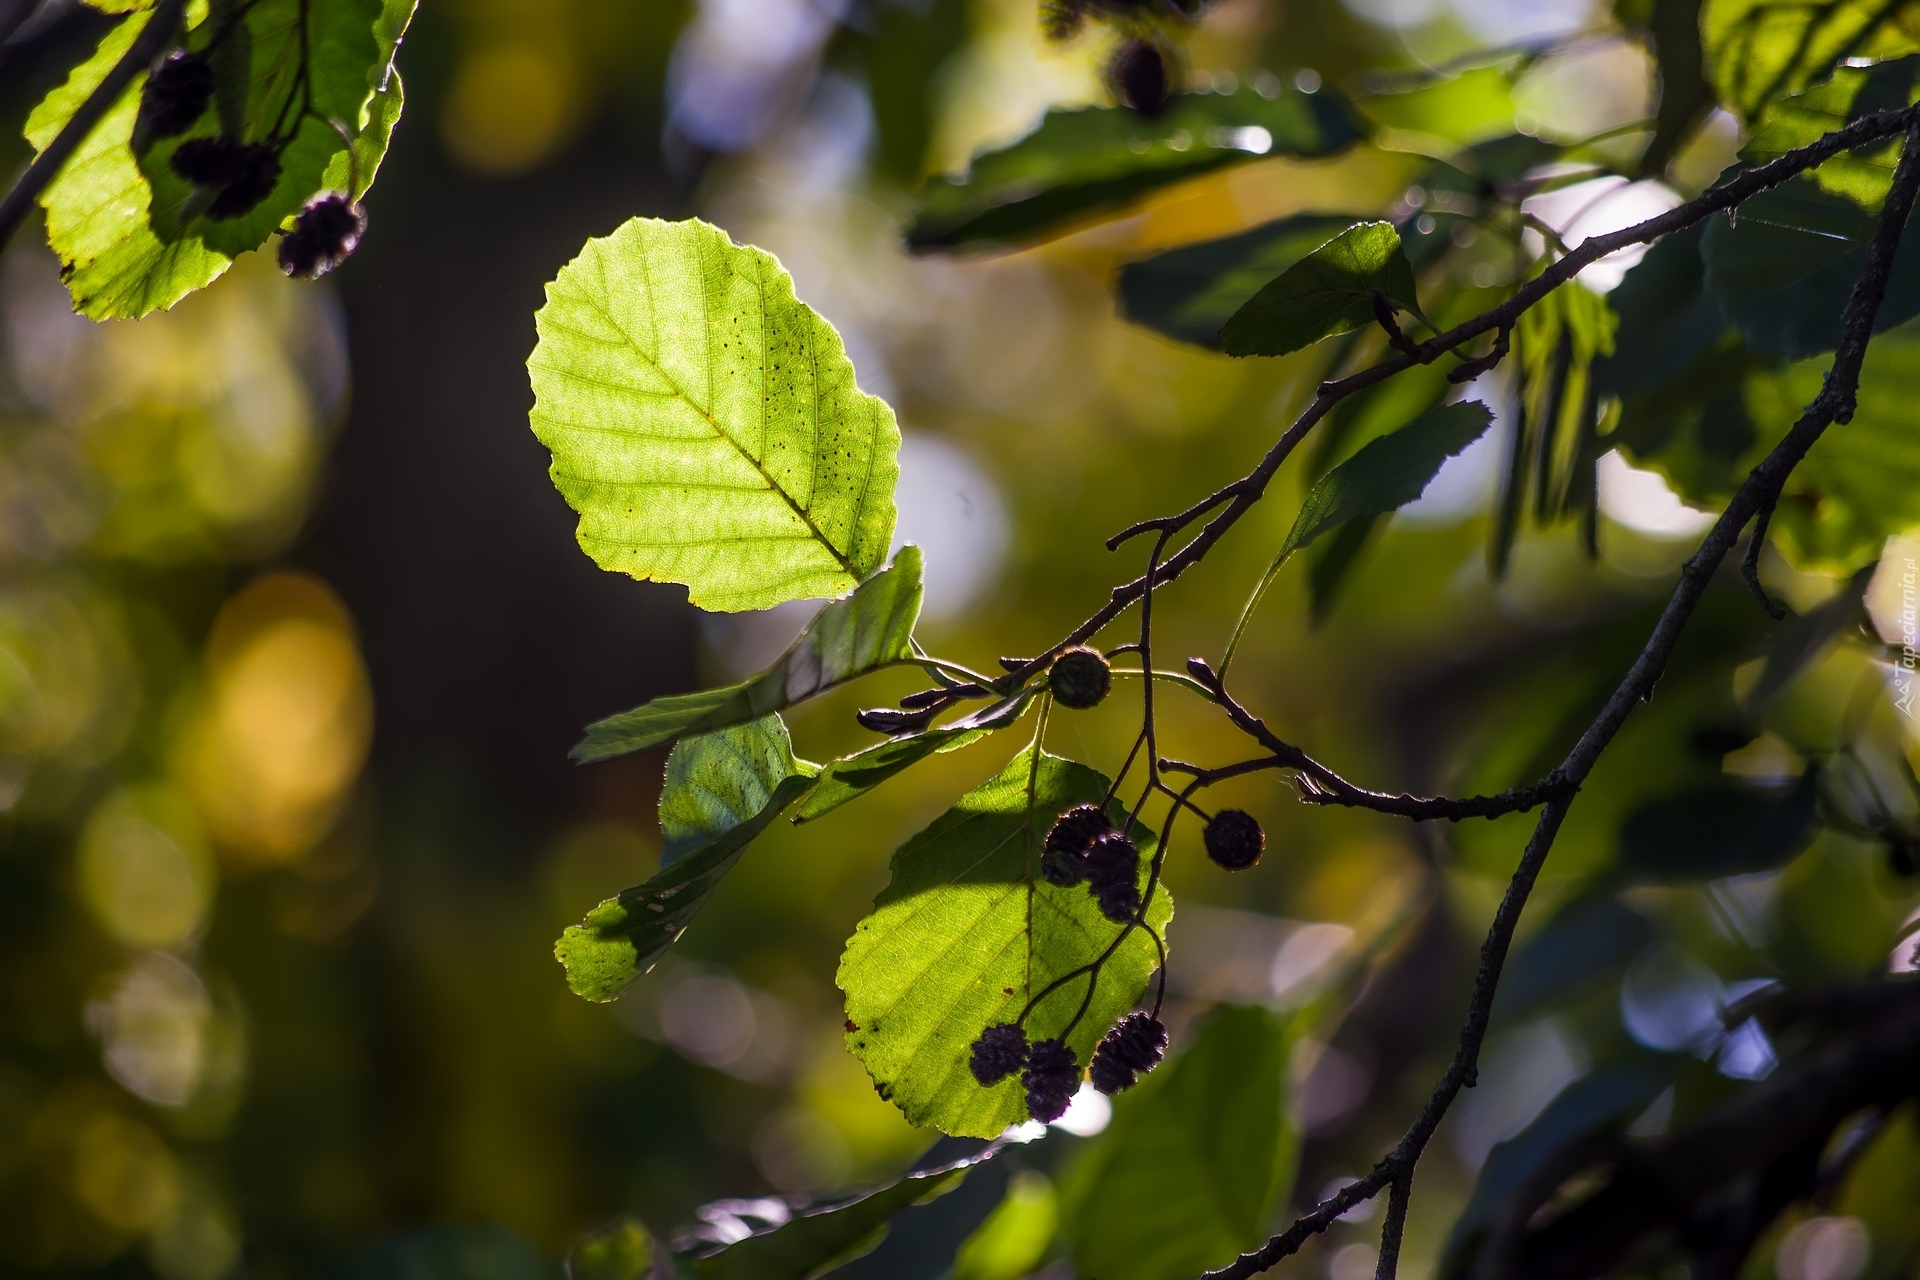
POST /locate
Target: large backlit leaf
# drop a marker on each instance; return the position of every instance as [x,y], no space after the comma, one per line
[1327,292]
[967,931]
[717,781]
[626,935]
[1761,50]
[1197,1156]
[1188,293]
[127,229]
[704,421]
[869,629]
[853,776]
[1081,161]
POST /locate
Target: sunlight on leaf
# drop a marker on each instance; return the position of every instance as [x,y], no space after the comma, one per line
[1761,50]
[967,931]
[705,423]
[130,232]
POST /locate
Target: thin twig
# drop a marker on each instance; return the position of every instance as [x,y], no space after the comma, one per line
[154,37]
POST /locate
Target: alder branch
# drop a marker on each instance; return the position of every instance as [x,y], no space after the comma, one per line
[1242,495]
[1321,785]
[1762,487]
[153,38]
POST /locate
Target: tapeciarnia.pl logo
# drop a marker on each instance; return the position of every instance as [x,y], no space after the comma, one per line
[1903,665]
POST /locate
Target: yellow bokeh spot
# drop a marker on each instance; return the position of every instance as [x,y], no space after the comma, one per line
[143,867]
[286,722]
[123,1173]
[510,106]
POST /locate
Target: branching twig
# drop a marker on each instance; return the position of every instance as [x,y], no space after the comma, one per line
[1762,487]
[153,38]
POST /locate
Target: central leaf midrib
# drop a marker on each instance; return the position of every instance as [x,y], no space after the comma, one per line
[819,535]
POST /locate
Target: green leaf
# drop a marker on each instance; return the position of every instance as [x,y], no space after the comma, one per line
[130,233]
[1685,95]
[1762,50]
[1720,829]
[815,1241]
[626,935]
[1807,636]
[1471,107]
[966,931]
[1861,176]
[1084,161]
[1860,483]
[1784,269]
[1188,293]
[1387,473]
[855,775]
[1327,292]
[704,421]
[1195,1160]
[1013,1241]
[621,1250]
[864,631]
[716,781]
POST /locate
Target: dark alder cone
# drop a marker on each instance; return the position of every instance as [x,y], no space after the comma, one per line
[323,235]
[1136,1044]
[1234,839]
[176,92]
[1065,860]
[1052,1077]
[1139,1040]
[1137,77]
[242,173]
[1108,1074]
[1113,874]
[1080,678]
[1000,1051]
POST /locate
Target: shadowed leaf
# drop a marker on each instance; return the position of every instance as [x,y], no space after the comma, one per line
[1327,292]
[1720,829]
[1188,293]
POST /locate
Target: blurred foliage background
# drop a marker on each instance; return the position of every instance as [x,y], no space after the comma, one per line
[294,638]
